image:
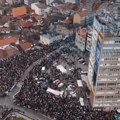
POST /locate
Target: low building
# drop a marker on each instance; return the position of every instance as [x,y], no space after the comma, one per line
[80,39]
[2,2]
[72,1]
[83,17]
[4,29]
[26,46]
[47,39]
[83,39]
[7,41]
[66,9]
[64,31]
[25,24]
[40,8]
[49,2]
[29,2]
[14,2]
[1,11]
[89,40]
[19,11]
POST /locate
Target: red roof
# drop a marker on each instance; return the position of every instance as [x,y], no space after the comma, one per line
[26,46]
[7,41]
[19,11]
[25,24]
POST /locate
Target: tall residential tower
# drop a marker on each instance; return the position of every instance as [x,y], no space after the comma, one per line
[104,62]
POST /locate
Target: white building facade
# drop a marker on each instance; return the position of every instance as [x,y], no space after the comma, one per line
[29,2]
[72,1]
[40,8]
[104,64]
[47,39]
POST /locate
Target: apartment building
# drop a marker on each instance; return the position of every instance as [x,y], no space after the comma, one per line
[29,2]
[104,61]
[83,39]
[40,8]
[14,2]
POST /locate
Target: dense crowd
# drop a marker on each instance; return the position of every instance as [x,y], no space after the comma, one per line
[11,69]
[33,95]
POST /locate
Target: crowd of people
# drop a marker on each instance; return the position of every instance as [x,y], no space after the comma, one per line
[11,69]
[33,95]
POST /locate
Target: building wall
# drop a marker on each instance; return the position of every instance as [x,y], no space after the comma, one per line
[76,19]
[89,41]
[10,1]
[46,40]
[80,42]
[104,69]
[39,11]
[29,2]
[72,1]
[2,2]
[48,2]
[108,82]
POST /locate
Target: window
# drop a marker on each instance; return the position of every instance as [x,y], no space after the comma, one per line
[99,97]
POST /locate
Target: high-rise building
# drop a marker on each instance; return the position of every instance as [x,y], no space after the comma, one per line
[104,61]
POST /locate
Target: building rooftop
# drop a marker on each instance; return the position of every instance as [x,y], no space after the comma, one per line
[50,36]
[7,41]
[109,18]
[40,5]
[25,24]
[19,11]
[26,45]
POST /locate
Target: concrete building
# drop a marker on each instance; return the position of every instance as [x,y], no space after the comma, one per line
[83,17]
[47,39]
[1,11]
[49,2]
[72,1]
[19,11]
[64,31]
[14,2]
[83,39]
[40,8]
[104,61]
[2,2]
[80,39]
[29,2]
[7,41]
